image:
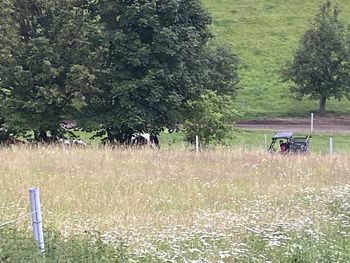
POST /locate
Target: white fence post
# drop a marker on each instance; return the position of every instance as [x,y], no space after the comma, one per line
[34,196]
[312,123]
[197,143]
[331,146]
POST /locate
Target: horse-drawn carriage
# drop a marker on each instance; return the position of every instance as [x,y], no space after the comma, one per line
[290,144]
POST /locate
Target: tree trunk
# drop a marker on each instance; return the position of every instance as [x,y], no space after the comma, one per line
[40,136]
[323,105]
[110,136]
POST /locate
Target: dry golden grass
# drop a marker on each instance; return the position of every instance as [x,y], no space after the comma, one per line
[108,189]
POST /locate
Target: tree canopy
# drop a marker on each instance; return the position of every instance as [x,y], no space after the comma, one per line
[158,58]
[321,65]
[210,117]
[116,66]
[47,57]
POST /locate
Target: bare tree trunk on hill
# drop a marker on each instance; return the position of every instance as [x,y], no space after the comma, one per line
[323,105]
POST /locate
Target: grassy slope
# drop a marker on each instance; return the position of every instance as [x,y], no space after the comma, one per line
[265,33]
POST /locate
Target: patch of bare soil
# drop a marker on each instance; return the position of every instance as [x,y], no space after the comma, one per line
[321,124]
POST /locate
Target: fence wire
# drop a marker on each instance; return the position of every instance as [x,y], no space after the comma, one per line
[18,219]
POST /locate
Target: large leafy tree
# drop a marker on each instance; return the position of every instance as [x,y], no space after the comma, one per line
[157,60]
[48,52]
[321,64]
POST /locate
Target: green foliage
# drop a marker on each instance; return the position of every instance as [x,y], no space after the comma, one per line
[153,65]
[119,67]
[47,57]
[333,246]
[211,118]
[18,246]
[321,65]
[221,70]
[212,115]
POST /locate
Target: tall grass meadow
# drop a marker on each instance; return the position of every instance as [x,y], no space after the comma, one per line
[175,205]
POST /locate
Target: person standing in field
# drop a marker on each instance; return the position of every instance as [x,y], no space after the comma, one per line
[283,147]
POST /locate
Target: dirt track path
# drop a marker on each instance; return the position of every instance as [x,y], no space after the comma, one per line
[340,125]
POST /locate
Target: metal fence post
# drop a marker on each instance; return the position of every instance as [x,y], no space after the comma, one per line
[34,196]
[197,143]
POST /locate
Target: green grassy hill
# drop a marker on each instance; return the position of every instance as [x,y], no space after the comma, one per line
[265,33]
